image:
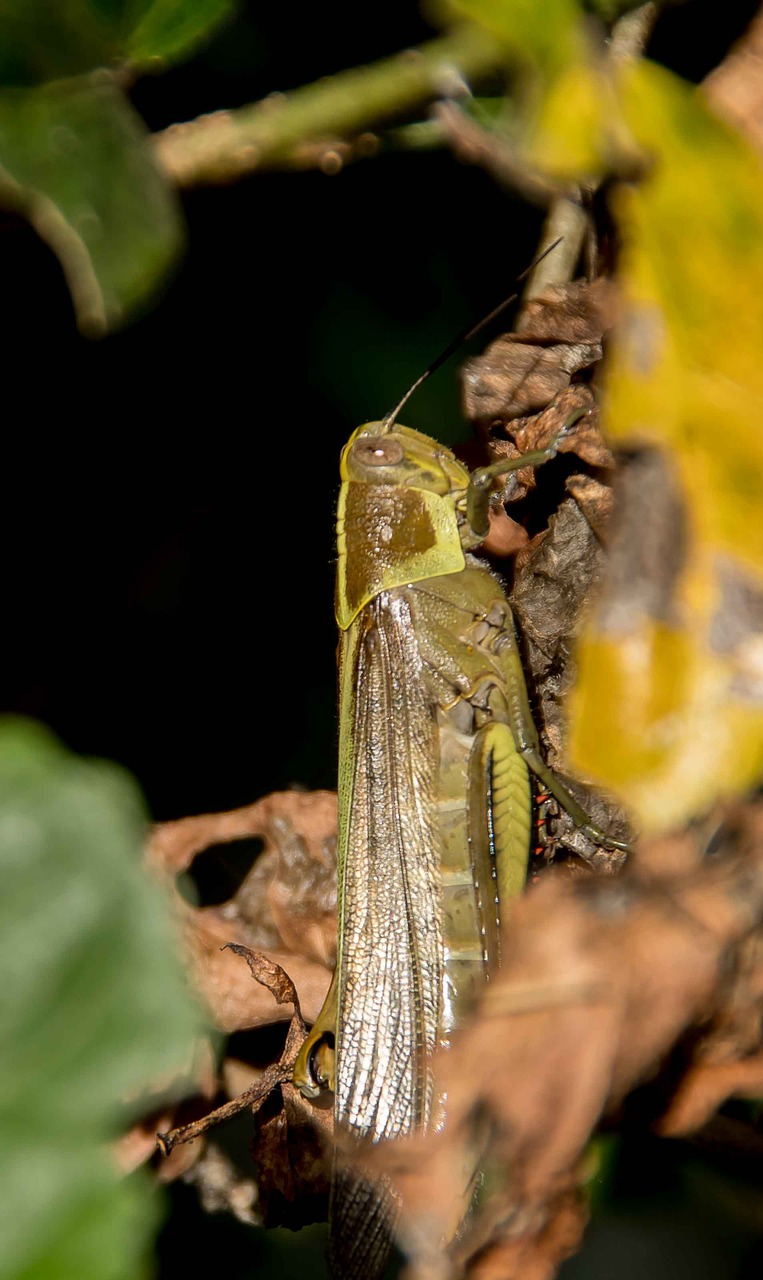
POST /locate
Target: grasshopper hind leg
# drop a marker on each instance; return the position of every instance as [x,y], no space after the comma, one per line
[528,746]
[553,783]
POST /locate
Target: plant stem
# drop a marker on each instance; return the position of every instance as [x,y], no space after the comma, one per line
[229,144]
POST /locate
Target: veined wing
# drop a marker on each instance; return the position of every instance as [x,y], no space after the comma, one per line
[390,931]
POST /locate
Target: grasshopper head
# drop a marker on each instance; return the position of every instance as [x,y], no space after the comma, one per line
[397,455]
[401,514]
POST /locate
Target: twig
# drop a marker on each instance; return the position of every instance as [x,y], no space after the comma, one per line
[631,32]
[567,221]
[227,144]
[567,216]
[283,990]
[277,1073]
[492,151]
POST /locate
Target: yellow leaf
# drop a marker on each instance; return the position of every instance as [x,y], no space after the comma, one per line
[666,712]
[685,367]
[569,122]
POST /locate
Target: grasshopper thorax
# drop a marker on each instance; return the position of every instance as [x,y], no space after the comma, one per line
[401,515]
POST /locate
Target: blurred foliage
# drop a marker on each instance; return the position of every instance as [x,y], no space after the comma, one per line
[684,722]
[73,152]
[665,711]
[94,1011]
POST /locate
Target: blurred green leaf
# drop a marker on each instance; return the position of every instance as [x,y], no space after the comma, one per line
[599,1167]
[43,40]
[74,160]
[170,29]
[94,1009]
[50,39]
[100,1230]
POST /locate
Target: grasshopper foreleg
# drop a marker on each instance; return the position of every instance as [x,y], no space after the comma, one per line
[482,480]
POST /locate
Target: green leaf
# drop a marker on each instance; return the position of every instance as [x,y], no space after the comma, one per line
[171,29]
[50,39]
[74,159]
[101,1230]
[94,1009]
[42,40]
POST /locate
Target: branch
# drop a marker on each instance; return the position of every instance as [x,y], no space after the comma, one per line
[228,144]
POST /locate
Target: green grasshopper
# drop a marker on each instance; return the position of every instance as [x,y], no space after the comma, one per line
[436,747]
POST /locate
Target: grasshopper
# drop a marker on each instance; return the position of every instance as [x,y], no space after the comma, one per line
[436,747]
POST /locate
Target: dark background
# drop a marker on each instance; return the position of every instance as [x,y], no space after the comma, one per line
[169,496]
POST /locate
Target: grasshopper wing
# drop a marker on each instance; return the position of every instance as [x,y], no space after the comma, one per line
[390,948]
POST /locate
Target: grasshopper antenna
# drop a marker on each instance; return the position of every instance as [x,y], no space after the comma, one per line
[389,421]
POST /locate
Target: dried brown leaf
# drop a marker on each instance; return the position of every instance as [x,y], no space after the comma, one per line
[706,1087]
[514,379]
[552,582]
[267,1089]
[600,981]
[288,900]
[522,374]
[735,87]
[286,904]
[234,1001]
[569,313]
[505,537]
[594,500]
[268,974]
[292,1155]
[536,1255]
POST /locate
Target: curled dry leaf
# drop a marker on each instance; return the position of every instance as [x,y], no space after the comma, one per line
[536,1256]
[706,1087]
[268,974]
[225,983]
[569,313]
[594,500]
[601,980]
[514,380]
[520,393]
[527,391]
[505,537]
[286,904]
